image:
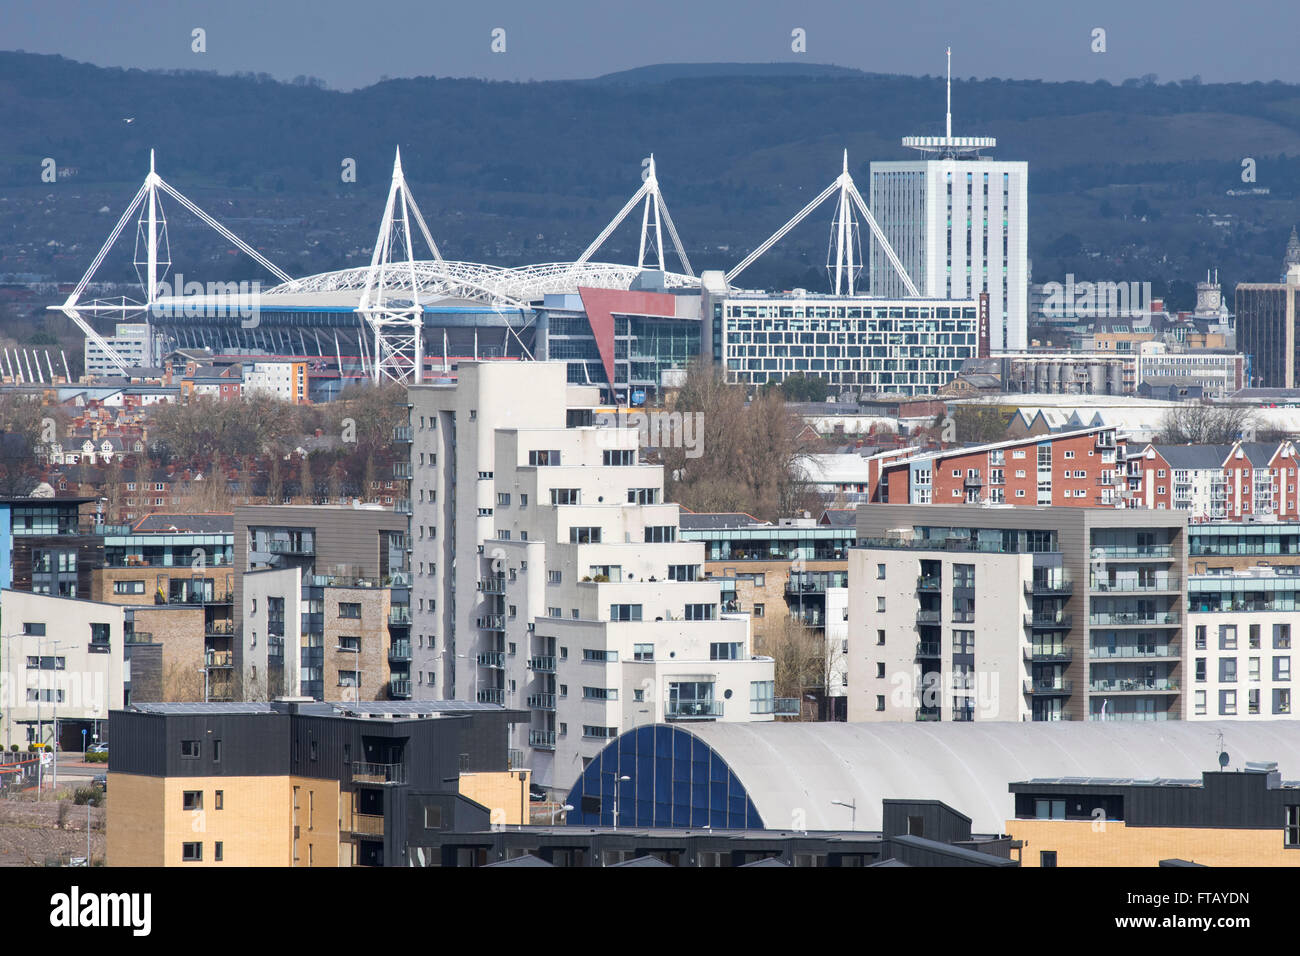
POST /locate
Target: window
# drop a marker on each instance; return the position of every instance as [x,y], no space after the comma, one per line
[1200,702]
[683,572]
[600,693]
[725,651]
[218,851]
[620,456]
[189,748]
[350,610]
[659,534]
[1227,703]
[128,587]
[880,604]
[600,657]
[643,652]
[584,535]
[759,610]
[503,499]
[34,629]
[1282,668]
[544,458]
[566,496]
[880,572]
[219,800]
[552,577]
[1292,826]
[625,612]
[602,732]
[1047,858]
[192,800]
[762,696]
[1227,637]
[701,612]
[192,852]
[1227,670]
[880,637]
[1281,636]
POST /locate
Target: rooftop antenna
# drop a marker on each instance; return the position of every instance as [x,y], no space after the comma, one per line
[948,124]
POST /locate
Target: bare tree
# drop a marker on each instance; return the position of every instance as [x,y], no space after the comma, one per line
[275,480]
[799,656]
[1193,424]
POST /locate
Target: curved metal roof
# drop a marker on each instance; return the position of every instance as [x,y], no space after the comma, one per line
[793,771]
[480,282]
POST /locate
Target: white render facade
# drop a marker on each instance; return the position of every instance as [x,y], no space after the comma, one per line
[63,660]
[571,597]
[960,227]
[917,649]
[1240,660]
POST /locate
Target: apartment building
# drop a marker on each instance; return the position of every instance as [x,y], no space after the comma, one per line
[1219,546]
[1247,817]
[322,599]
[1233,482]
[61,662]
[795,570]
[550,574]
[1078,468]
[963,613]
[298,783]
[1240,656]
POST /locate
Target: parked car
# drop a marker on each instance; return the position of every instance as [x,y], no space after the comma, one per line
[97,749]
[101,781]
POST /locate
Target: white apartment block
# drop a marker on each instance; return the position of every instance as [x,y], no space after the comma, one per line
[548,575]
[284,380]
[1240,658]
[960,226]
[939,636]
[61,668]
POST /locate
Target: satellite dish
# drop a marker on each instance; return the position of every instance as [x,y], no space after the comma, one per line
[1223,759]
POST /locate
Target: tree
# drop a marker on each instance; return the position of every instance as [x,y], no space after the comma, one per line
[976,423]
[275,480]
[1193,424]
[336,482]
[371,479]
[799,657]
[306,483]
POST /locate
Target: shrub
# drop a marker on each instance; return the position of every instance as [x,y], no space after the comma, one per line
[63,814]
[13,748]
[97,758]
[83,796]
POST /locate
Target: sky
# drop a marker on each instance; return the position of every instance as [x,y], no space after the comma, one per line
[349,43]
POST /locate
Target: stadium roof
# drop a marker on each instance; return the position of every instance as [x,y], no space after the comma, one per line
[793,771]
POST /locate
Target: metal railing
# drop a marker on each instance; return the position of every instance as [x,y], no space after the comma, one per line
[1054,621]
[495,659]
[1049,688]
[219,659]
[401,470]
[403,433]
[399,651]
[928,649]
[400,615]
[929,582]
[1139,684]
[1135,650]
[1162,583]
[368,824]
[1052,653]
[399,687]
[493,585]
[543,665]
[928,617]
[491,695]
[1141,620]
[541,701]
[542,739]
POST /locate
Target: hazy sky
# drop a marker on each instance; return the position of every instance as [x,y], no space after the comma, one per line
[351,43]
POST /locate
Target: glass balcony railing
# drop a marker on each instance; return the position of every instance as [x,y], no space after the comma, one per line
[1141,685]
[1159,583]
[1135,619]
[495,659]
[928,649]
[929,583]
[399,651]
[543,665]
[399,615]
[541,739]
[1103,651]
[1048,653]
[1049,688]
[541,701]
[1054,621]
[403,434]
[399,688]
[693,709]
[491,695]
[384,774]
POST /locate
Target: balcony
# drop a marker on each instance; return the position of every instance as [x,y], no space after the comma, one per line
[368,824]
[929,584]
[786,707]
[219,659]
[219,628]
[399,688]
[399,652]
[928,617]
[541,701]
[492,622]
[491,695]
[1160,583]
[926,714]
[1134,619]
[495,659]
[541,739]
[401,470]
[514,759]
[399,615]
[816,582]
[275,647]
[1049,688]
[542,665]
[1138,685]
[1134,552]
[928,649]
[1055,622]
[693,710]
[402,506]
[1047,654]
[403,434]
[299,547]
[1049,587]
[493,585]
[382,774]
[1106,652]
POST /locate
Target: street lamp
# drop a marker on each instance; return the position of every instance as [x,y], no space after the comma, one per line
[617,781]
[558,810]
[853,811]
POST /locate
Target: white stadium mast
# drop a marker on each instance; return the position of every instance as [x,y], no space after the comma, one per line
[398,323]
[843,235]
[655,207]
[151,233]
